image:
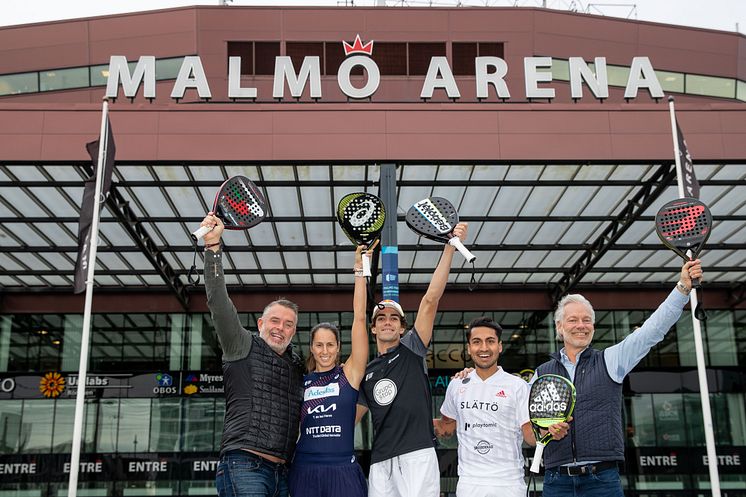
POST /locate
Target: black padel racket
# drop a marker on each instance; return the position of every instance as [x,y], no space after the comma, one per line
[551,401]
[239,204]
[684,224]
[435,218]
[361,216]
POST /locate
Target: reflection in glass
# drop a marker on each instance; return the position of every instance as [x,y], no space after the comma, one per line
[36,428]
[60,79]
[199,421]
[10,426]
[710,86]
[670,420]
[19,83]
[165,422]
[134,425]
[108,421]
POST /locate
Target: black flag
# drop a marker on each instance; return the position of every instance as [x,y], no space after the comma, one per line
[86,210]
[691,185]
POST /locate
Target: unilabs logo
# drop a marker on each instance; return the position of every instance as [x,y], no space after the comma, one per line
[52,385]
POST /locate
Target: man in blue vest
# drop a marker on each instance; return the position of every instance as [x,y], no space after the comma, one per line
[585,463]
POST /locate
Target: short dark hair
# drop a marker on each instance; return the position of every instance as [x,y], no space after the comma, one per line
[282,301]
[485,322]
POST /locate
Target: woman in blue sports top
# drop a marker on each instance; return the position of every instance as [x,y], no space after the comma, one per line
[324,464]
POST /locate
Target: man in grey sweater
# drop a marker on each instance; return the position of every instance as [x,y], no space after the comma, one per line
[263,381]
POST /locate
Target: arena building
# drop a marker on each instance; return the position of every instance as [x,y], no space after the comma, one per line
[549,130]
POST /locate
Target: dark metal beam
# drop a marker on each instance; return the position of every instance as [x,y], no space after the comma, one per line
[362,183]
[430,247]
[645,196]
[120,208]
[346,271]
[332,219]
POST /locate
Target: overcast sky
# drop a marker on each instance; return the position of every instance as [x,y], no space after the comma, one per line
[728,15]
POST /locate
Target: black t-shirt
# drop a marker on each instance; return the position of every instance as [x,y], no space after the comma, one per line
[396,390]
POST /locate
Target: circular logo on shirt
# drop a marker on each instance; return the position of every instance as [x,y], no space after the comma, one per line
[483,446]
[384,392]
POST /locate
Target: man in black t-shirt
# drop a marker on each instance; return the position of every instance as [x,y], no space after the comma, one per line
[396,390]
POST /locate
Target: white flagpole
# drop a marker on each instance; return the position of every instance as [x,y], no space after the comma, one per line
[704,392]
[103,144]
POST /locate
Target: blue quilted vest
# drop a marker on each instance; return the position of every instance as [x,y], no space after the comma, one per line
[596,432]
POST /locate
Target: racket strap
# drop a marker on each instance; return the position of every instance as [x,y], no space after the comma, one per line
[473,283]
[193,275]
[699,311]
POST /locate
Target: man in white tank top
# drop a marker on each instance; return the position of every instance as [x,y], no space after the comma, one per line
[488,409]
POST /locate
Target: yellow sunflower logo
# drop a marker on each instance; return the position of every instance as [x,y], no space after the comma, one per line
[190,389]
[52,385]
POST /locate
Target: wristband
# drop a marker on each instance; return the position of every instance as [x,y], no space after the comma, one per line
[683,288]
[208,245]
[358,272]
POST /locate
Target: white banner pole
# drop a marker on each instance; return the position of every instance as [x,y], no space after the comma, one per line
[704,392]
[103,144]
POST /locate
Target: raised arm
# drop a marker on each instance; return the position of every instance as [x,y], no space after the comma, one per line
[429,303]
[354,367]
[234,340]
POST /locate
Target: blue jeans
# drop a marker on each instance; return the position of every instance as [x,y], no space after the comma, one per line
[604,483]
[243,474]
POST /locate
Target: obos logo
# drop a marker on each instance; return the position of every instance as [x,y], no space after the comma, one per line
[384,392]
[165,384]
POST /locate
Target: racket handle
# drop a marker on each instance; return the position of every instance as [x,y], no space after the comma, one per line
[536,463]
[455,241]
[696,283]
[366,265]
[201,232]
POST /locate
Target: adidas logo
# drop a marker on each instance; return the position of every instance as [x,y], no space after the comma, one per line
[501,393]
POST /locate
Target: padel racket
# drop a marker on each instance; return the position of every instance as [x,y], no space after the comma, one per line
[684,224]
[361,216]
[550,401]
[239,204]
[435,218]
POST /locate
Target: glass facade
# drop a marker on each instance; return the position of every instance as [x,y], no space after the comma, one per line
[154,403]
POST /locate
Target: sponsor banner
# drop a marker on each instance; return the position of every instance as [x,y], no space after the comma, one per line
[160,384]
[57,385]
[202,383]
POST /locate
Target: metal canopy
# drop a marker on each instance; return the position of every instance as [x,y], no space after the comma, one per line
[530,225]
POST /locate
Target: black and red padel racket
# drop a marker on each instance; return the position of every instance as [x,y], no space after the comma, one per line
[684,225]
[239,204]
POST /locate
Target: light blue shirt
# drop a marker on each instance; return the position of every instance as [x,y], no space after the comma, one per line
[622,357]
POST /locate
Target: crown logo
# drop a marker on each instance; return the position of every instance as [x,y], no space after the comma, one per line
[358,47]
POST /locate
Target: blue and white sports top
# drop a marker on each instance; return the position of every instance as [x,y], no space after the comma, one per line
[327,422]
